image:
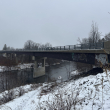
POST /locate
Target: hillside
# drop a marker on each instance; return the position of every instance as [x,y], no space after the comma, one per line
[88,93]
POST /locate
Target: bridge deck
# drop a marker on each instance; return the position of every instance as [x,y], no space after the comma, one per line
[57,51]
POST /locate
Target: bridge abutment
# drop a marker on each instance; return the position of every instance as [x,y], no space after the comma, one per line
[38,71]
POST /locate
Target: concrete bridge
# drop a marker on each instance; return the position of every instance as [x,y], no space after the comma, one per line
[95,54]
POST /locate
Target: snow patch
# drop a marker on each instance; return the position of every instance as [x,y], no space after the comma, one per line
[88,93]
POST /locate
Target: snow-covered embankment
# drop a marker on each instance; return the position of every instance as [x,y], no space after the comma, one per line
[88,93]
[18,67]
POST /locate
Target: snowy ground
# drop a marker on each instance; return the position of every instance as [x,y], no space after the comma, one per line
[18,67]
[88,93]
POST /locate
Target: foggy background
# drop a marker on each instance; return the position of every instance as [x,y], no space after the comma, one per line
[59,22]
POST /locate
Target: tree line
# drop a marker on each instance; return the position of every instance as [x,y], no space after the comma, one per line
[21,58]
[29,45]
[94,36]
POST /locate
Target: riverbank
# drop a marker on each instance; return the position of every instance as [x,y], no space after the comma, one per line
[20,67]
[88,93]
[14,68]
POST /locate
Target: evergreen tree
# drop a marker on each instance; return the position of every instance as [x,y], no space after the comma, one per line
[5,47]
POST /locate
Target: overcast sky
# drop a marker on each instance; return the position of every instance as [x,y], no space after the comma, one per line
[59,22]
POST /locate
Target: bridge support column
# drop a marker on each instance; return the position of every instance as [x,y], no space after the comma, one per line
[11,55]
[38,71]
[16,59]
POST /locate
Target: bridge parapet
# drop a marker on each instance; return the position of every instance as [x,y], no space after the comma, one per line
[107,45]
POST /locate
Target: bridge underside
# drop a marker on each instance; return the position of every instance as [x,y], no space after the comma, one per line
[77,57]
[88,58]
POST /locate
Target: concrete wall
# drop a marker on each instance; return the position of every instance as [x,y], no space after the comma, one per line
[107,45]
[38,72]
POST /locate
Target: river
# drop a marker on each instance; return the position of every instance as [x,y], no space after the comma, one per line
[12,79]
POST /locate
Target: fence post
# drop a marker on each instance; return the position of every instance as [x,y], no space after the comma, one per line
[69,47]
[60,47]
[64,47]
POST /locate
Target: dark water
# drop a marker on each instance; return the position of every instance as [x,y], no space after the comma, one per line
[9,80]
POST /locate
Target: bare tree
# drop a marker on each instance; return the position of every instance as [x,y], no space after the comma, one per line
[85,40]
[48,45]
[36,46]
[107,37]
[79,40]
[94,34]
[28,45]
[42,46]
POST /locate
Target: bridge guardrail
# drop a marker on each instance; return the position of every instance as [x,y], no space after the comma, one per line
[98,45]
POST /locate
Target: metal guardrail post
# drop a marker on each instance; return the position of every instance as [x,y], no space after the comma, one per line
[60,47]
[69,47]
[64,47]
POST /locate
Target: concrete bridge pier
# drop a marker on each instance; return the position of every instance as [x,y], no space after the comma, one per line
[16,58]
[38,71]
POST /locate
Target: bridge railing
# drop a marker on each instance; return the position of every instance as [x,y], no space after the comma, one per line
[98,45]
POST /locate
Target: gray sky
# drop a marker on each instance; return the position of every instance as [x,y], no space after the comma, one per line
[59,22]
